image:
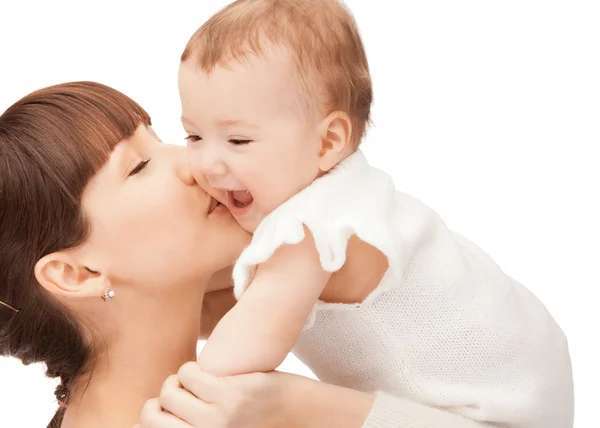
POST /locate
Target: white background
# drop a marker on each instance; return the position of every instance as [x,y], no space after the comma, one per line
[487,111]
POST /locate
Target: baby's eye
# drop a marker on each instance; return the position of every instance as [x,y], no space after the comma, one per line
[239,141]
[192,138]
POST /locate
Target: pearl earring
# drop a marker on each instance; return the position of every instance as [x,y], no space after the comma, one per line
[109,294]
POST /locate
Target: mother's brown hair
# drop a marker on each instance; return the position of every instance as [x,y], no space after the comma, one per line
[51,143]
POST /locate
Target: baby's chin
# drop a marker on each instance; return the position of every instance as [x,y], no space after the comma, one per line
[249,223]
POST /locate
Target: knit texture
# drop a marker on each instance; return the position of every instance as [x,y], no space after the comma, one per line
[445,327]
[393,412]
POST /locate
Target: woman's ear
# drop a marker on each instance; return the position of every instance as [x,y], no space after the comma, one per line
[62,275]
[336,139]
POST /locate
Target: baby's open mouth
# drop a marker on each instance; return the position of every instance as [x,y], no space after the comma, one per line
[240,198]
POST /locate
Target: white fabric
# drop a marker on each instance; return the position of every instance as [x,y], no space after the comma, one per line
[445,327]
[394,412]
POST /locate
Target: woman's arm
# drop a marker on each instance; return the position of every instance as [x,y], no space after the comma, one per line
[394,412]
[273,400]
[321,405]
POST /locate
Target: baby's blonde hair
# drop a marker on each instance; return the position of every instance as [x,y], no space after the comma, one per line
[322,37]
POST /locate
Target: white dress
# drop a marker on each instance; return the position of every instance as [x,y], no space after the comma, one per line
[445,327]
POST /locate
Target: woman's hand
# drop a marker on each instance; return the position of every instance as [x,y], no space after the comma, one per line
[193,398]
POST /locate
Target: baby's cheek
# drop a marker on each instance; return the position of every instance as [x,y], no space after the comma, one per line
[200,178]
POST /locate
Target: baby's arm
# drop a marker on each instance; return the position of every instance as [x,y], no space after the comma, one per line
[262,328]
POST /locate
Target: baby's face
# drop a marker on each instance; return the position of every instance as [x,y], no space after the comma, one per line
[249,139]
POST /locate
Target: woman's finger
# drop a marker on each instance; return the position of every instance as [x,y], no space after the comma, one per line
[183,404]
[204,386]
[171,382]
[153,417]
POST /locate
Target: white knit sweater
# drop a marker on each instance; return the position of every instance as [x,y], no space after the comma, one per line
[445,327]
[395,412]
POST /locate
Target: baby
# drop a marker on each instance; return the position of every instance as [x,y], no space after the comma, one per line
[366,283]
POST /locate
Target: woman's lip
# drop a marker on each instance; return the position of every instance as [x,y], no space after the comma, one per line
[213,205]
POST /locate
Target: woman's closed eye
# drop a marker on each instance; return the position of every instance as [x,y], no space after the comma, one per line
[140,166]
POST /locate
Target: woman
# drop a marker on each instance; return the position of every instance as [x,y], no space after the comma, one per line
[100,283]
[98,279]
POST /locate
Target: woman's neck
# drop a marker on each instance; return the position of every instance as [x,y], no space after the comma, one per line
[147,347]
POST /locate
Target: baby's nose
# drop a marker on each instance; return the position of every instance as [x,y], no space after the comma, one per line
[206,160]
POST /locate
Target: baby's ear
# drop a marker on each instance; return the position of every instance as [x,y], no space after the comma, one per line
[336,139]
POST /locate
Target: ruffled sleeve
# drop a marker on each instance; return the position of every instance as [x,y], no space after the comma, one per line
[348,200]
